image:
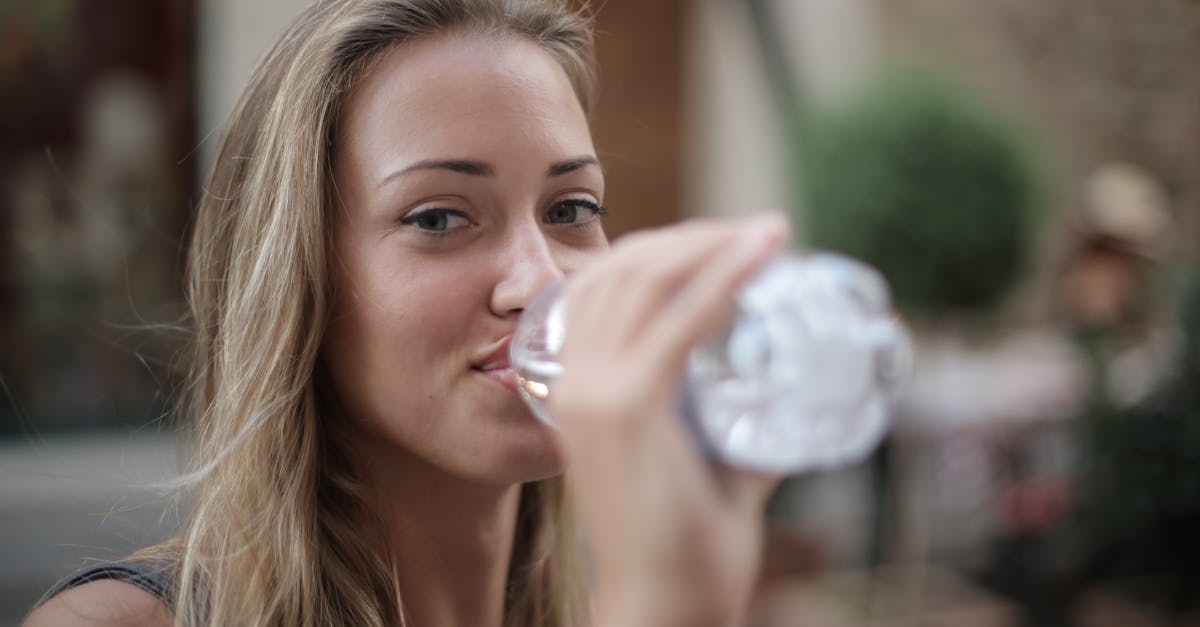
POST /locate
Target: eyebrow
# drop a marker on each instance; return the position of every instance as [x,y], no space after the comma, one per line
[570,165]
[480,168]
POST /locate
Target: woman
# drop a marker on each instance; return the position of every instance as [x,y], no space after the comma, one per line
[398,181]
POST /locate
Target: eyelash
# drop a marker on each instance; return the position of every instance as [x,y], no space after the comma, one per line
[597,210]
[414,217]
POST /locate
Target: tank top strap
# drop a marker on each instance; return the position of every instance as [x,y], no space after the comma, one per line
[152,578]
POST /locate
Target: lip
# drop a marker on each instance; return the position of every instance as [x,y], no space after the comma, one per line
[494,364]
[504,376]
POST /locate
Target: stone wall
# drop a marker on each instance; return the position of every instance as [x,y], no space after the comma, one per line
[1103,80]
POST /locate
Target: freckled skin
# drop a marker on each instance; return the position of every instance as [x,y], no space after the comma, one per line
[421,298]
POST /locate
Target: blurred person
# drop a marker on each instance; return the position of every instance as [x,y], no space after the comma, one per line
[398,181]
[1121,234]
[1111,280]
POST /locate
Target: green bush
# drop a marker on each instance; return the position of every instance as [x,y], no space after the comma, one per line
[926,185]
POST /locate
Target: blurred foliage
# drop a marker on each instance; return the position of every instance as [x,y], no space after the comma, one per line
[1138,515]
[932,187]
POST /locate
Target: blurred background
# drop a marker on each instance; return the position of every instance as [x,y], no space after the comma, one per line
[1026,173]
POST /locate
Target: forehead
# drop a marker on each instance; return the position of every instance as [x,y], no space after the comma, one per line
[462,94]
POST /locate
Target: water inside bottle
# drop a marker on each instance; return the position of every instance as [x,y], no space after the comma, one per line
[798,380]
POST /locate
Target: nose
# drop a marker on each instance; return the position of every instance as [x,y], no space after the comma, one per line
[530,265]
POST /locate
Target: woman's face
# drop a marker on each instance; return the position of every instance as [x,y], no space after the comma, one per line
[467,181]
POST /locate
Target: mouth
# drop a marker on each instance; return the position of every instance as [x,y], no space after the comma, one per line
[504,376]
[495,366]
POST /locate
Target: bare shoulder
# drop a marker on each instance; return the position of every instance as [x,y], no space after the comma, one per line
[102,603]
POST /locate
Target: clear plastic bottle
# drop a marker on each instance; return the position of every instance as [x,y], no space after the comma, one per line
[799,380]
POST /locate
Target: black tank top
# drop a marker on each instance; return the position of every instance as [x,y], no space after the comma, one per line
[151,578]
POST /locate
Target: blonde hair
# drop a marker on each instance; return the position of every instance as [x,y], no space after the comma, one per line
[272,537]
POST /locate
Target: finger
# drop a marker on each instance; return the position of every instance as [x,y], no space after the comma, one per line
[707,300]
[747,489]
[641,276]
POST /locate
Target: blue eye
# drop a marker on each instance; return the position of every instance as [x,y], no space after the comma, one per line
[568,212]
[435,220]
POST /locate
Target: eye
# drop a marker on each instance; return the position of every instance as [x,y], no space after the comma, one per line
[573,211]
[436,220]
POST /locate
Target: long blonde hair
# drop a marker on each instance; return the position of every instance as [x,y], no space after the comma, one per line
[270,540]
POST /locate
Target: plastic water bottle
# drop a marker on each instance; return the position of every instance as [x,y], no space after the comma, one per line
[799,380]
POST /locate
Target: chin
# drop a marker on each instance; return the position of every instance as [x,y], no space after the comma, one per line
[531,455]
[513,446]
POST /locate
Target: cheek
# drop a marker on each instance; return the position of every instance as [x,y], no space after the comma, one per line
[573,258]
[428,311]
[396,324]
[398,337]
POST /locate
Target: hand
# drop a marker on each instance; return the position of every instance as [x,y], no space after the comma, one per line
[675,538]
